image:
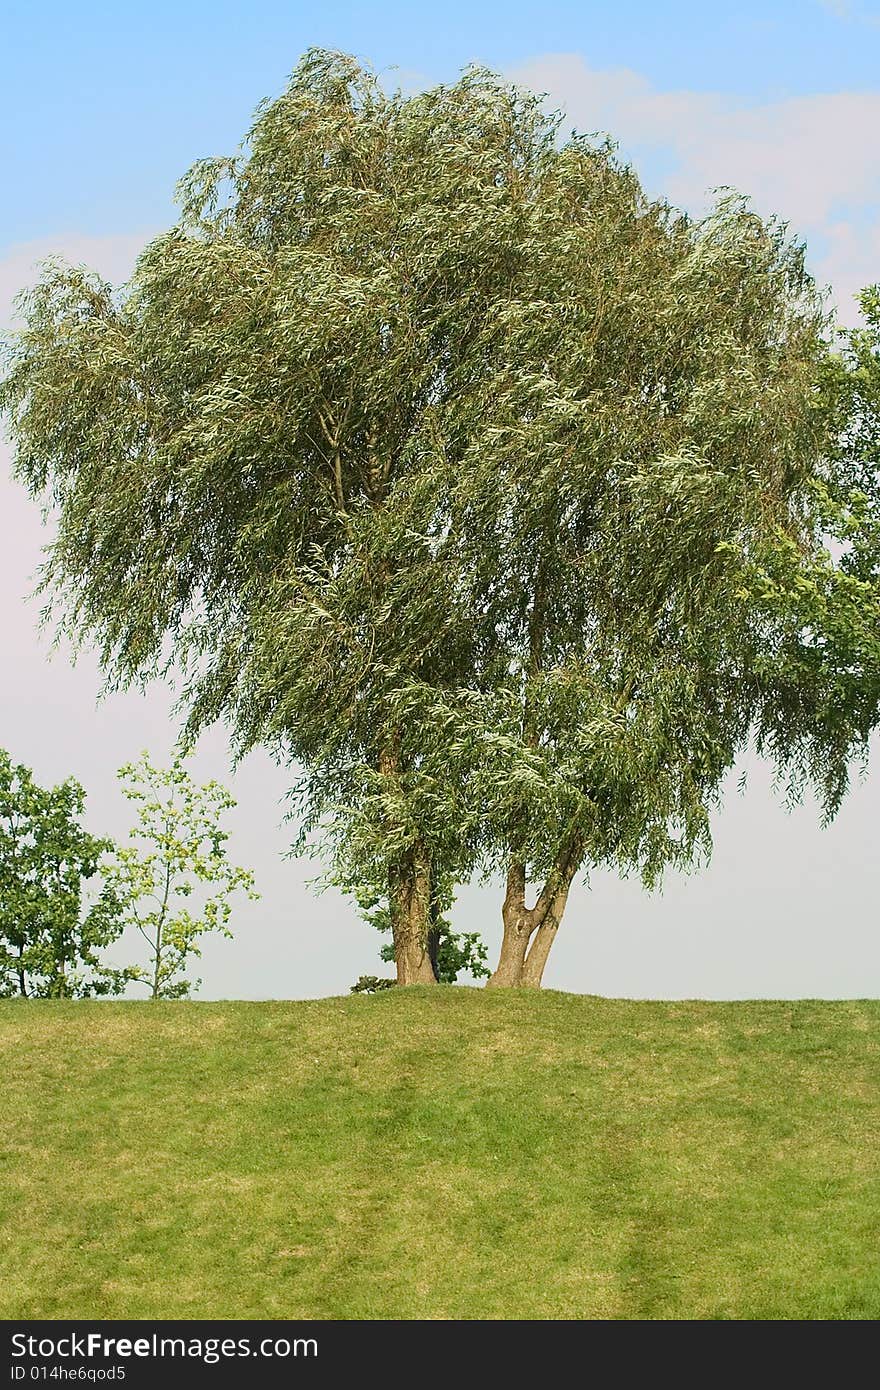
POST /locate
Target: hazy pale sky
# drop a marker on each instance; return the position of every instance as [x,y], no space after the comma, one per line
[103,107]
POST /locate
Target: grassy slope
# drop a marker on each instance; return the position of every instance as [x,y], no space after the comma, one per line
[440,1153]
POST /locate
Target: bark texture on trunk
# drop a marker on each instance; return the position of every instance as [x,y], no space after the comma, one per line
[518,928]
[536,960]
[530,932]
[435,935]
[410,899]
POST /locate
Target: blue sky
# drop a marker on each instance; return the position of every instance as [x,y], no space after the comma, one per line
[104,106]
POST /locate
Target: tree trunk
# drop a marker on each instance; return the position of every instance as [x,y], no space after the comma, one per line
[536,960]
[434,950]
[518,928]
[410,900]
[530,932]
[434,931]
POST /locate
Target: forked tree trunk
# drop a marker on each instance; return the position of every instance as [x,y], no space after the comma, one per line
[530,932]
[536,960]
[409,892]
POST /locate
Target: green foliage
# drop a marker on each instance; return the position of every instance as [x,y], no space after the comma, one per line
[854,393]
[452,953]
[371,984]
[823,602]
[458,953]
[51,935]
[176,848]
[437,457]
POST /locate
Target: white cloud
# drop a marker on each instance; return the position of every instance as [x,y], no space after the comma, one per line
[112,256]
[845,9]
[813,159]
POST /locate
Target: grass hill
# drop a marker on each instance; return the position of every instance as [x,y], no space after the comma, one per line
[440,1153]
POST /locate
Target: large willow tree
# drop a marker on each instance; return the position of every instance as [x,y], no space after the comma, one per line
[430,452]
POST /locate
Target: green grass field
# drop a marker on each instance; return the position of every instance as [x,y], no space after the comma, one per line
[441,1153]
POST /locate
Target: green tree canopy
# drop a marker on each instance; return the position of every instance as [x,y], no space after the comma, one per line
[174,879]
[51,935]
